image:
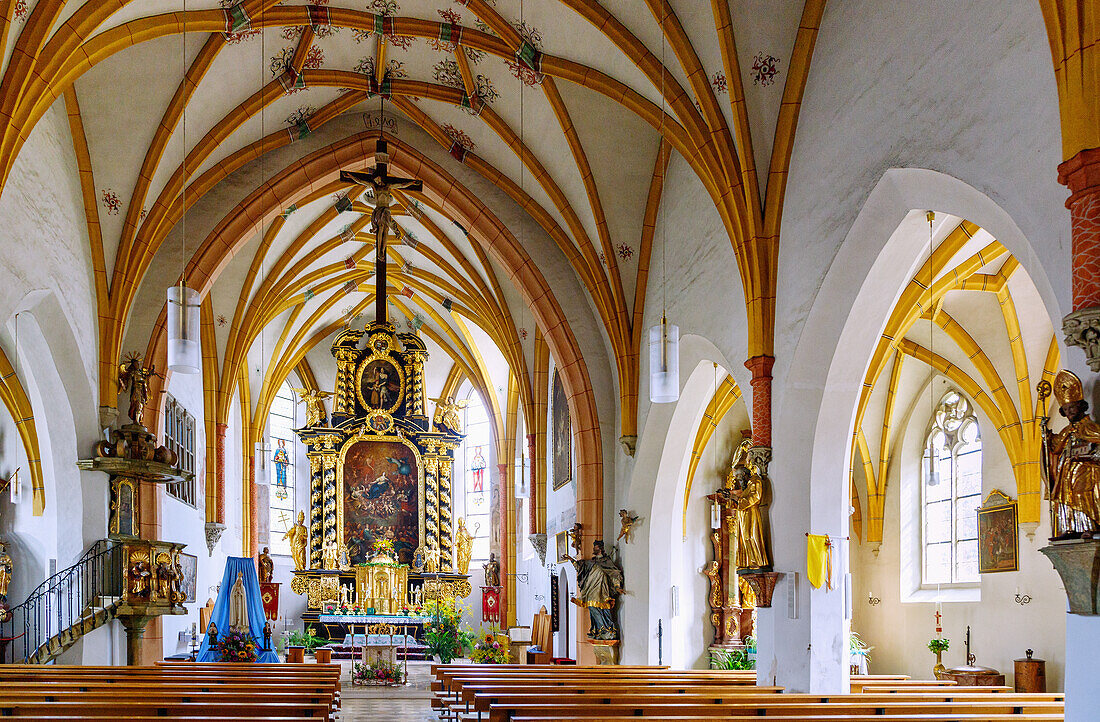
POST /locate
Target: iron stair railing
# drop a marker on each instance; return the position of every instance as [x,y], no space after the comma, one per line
[63,608]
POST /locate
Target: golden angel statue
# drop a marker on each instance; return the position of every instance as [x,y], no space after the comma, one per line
[626,524]
[134,377]
[330,556]
[315,410]
[298,536]
[446,414]
[464,542]
[745,491]
[1072,468]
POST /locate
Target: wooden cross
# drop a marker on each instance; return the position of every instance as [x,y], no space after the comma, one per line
[383,184]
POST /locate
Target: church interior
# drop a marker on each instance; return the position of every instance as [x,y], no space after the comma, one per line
[549,359]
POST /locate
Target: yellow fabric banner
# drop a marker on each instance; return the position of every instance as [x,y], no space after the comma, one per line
[819,560]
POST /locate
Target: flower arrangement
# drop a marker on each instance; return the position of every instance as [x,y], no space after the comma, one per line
[444,635]
[489,648]
[938,646]
[236,646]
[379,671]
[384,546]
[731,659]
[856,645]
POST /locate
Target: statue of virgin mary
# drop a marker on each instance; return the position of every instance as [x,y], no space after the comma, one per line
[238,607]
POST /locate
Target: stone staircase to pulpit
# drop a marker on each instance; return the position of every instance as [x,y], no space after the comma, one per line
[64,608]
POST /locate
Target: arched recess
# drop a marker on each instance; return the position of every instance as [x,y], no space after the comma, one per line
[862,285]
[660,556]
[322,167]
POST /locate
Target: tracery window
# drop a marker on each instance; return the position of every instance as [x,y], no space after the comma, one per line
[281,420]
[471,466]
[951,490]
[179,436]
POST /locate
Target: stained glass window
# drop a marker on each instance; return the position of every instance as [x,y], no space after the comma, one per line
[951,491]
[471,476]
[281,420]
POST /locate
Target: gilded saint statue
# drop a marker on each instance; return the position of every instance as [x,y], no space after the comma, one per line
[6,570]
[134,378]
[446,414]
[744,494]
[1072,467]
[298,536]
[599,584]
[238,605]
[464,544]
[266,566]
[315,410]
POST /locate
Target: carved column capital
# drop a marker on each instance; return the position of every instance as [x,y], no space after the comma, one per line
[214,532]
[1082,328]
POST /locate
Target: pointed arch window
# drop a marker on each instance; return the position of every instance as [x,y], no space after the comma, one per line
[281,452]
[951,490]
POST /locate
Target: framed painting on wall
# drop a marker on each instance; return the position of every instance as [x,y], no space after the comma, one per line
[562,435]
[998,535]
[189,563]
[561,545]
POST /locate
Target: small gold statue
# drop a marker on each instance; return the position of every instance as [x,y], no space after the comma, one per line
[298,536]
[140,575]
[315,410]
[134,377]
[165,573]
[266,566]
[626,525]
[574,536]
[1072,469]
[7,567]
[464,542]
[446,414]
[330,554]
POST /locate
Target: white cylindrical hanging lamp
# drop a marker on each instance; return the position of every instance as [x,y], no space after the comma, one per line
[664,362]
[184,350]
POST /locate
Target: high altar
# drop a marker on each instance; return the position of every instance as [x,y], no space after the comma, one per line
[380,475]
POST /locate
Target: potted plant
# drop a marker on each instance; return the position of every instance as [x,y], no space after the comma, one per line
[236,646]
[731,659]
[938,646]
[856,649]
[305,641]
[443,634]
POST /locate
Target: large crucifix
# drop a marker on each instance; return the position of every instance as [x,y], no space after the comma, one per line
[382,184]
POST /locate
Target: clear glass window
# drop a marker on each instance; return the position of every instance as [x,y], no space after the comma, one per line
[951,490]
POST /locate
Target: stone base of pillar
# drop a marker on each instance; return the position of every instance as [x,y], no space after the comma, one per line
[1082,328]
[1078,563]
[134,624]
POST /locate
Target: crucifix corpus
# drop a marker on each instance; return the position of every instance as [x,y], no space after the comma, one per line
[382,185]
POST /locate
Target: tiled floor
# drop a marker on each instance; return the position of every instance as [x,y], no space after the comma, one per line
[411,703]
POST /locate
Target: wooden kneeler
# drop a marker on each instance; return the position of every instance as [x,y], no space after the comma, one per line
[541,650]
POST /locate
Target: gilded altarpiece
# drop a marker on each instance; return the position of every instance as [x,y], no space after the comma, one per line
[379,470]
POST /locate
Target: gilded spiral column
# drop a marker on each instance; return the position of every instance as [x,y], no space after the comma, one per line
[416,385]
[446,523]
[345,385]
[431,502]
[316,509]
[328,461]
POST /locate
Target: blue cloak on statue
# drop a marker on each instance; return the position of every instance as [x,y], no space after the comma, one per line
[255,607]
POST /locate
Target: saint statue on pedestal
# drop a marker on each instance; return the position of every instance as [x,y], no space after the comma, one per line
[267,567]
[492,571]
[297,535]
[1072,468]
[463,547]
[599,583]
[238,605]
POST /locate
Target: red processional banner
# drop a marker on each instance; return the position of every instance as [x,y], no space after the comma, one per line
[269,595]
[490,604]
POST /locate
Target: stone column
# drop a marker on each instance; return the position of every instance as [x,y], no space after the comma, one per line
[135,624]
[1081,174]
[219,473]
[505,533]
[761,368]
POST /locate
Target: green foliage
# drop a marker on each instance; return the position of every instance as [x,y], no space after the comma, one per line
[444,634]
[305,639]
[938,645]
[856,645]
[491,647]
[731,659]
